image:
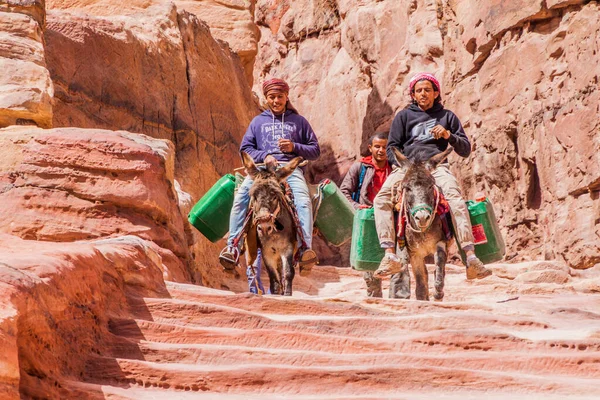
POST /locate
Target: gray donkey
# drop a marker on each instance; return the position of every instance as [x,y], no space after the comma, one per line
[417,200]
[272,228]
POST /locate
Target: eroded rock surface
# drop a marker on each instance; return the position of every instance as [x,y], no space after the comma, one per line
[502,337]
[26,89]
[522,76]
[157,71]
[70,184]
[230,20]
[57,297]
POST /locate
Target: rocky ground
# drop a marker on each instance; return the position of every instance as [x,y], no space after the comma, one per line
[530,331]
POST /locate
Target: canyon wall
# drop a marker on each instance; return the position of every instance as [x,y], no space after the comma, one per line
[522,76]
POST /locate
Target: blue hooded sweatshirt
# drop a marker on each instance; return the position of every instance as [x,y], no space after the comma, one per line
[266,129]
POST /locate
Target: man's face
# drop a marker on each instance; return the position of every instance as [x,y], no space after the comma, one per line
[424,94]
[377,149]
[276,101]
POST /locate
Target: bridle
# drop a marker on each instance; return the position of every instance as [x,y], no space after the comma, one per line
[271,217]
[410,214]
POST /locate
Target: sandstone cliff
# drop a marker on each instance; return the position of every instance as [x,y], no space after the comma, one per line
[25,87]
[159,72]
[230,20]
[523,77]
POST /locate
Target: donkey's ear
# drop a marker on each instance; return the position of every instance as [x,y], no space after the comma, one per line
[285,171]
[401,159]
[436,160]
[249,164]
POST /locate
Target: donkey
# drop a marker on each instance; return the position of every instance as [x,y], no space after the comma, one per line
[417,201]
[272,228]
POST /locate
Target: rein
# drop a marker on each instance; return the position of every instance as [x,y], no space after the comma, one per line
[419,207]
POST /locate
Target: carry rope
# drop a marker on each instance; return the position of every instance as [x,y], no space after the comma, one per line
[317,198]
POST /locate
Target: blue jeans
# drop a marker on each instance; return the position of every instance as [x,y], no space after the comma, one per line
[253,273]
[301,201]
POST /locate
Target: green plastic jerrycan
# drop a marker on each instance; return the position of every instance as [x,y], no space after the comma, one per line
[489,244]
[211,214]
[335,215]
[365,251]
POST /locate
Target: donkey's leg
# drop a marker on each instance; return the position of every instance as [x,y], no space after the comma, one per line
[270,263]
[421,278]
[440,257]
[287,262]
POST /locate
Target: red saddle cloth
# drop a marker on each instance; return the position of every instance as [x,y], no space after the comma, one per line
[443,208]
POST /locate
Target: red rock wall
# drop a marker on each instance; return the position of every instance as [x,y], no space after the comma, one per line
[70,184]
[159,72]
[231,21]
[59,299]
[25,87]
[522,76]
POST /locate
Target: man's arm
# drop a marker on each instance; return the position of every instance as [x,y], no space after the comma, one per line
[250,146]
[309,148]
[458,138]
[350,183]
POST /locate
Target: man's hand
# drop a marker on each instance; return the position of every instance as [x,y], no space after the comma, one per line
[286,145]
[270,161]
[439,131]
[363,206]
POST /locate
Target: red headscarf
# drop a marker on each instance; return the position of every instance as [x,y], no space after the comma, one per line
[278,85]
[424,75]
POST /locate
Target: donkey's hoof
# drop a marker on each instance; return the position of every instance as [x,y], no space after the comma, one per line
[438,296]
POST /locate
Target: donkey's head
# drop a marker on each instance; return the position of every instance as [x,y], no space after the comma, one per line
[418,187]
[266,194]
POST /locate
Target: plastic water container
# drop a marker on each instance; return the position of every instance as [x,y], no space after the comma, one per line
[489,244]
[335,215]
[365,251]
[211,214]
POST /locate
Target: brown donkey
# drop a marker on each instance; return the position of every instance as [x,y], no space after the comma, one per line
[272,228]
[418,201]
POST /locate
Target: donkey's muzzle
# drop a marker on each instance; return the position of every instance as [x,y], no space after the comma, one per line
[422,219]
[265,228]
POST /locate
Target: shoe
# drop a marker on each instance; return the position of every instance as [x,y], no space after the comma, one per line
[229,257]
[308,260]
[476,269]
[390,264]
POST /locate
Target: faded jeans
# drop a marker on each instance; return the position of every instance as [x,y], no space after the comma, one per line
[302,202]
[384,215]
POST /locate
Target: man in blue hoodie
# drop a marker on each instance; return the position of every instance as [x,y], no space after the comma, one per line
[421,130]
[277,134]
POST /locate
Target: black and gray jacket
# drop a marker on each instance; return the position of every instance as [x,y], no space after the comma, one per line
[411,133]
